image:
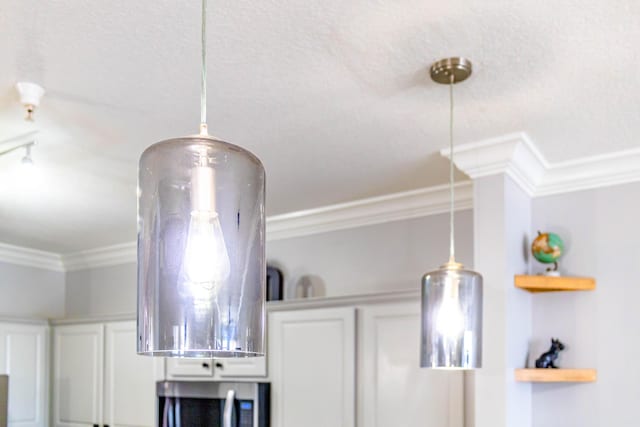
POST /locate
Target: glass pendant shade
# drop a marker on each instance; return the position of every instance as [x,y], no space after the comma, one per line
[201,254]
[451,318]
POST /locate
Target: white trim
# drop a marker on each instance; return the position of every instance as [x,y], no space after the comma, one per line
[514,155]
[517,156]
[375,210]
[385,297]
[28,257]
[621,167]
[101,257]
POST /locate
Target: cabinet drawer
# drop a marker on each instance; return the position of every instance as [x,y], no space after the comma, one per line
[240,367]
[185,369]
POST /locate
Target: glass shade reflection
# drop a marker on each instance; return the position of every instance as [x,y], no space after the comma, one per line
[451,318]
[201,262]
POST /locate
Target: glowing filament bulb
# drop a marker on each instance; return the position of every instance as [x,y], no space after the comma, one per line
[450,319]
[206,259]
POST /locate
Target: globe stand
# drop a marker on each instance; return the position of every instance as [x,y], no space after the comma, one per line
[553,272]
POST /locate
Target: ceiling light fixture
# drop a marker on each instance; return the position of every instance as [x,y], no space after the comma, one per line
[30,96]
[201,245]
[25,141]
[27,161]
[451,295]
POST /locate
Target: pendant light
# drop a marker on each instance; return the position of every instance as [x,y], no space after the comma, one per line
[451,295]
[201,251]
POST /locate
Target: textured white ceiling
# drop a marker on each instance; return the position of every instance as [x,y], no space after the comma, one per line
[332,95]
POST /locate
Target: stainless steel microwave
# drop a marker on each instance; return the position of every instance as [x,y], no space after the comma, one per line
[213,404]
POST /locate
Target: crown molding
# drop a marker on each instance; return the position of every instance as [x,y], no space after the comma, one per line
[123,253]
[375,210]
[28,257]
[621,167]
[513,155]
[516,156]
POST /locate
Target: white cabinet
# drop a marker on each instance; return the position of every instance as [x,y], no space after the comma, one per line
[240,368]
[98,379]
[24,357]
[393,389]
[312,367]
[129,397]
[179,369]
[77,373]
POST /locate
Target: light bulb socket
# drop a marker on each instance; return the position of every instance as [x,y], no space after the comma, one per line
[27,160]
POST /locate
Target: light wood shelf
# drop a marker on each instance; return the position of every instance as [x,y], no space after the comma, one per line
[554,284]
[556,375]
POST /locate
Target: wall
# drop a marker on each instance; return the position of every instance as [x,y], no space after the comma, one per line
[102,291]
[382,257]
[600,328]
[502,220]
[376,258]
[31,292]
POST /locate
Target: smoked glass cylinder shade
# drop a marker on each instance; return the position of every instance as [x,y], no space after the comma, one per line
[201,254]
[451,319]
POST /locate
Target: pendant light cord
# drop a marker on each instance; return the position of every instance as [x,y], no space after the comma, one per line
[452,249]
[203,81]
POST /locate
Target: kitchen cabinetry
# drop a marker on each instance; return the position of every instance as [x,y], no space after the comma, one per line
[99,379]
[24,357]
[312,367]
[215,369]
[393,390]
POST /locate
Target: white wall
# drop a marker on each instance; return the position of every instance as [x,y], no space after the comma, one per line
[31,292]
[382,257]
[502,220]
[101,291]
[602,235]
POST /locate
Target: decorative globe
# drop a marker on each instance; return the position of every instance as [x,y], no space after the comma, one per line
[547,248]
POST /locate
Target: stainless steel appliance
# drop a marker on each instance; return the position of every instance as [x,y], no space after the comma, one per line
[4,399]
[213,404]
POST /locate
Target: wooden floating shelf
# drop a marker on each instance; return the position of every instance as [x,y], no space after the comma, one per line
[556,375]
[554,284]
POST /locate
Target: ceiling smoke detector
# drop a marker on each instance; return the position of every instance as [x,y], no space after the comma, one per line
[30,95]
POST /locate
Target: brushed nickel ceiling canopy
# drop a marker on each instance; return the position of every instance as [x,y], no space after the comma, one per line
[451,70]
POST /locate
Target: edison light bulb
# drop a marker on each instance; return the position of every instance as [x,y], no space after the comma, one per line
[206,260]
[450,320]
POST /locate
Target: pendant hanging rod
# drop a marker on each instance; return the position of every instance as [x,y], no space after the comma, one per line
[452,244]
[451,71]
[203,81]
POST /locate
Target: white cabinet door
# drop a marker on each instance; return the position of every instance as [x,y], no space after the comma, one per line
[312,367]
[77,375]
[129,379]
[24,357]
[182,369]
[394,390]
[240,368]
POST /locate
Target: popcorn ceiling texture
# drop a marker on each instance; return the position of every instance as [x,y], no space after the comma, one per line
[332,95]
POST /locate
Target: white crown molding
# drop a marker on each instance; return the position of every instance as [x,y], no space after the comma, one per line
[123,253]
[28,257]
[621,167]
[514,155]
[517,156]
[375,210]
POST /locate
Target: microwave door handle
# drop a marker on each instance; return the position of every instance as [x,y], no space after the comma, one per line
[228,408]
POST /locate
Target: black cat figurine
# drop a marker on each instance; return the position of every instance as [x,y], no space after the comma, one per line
[546,359]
